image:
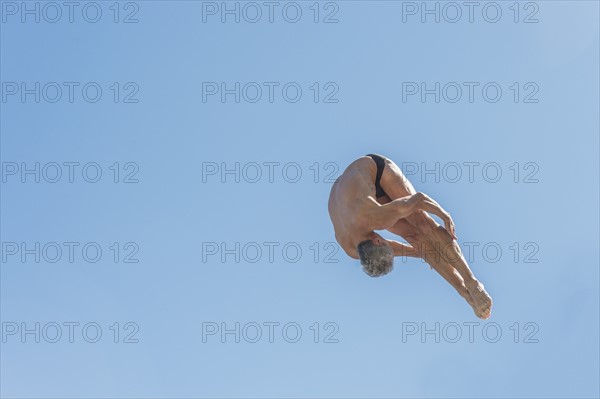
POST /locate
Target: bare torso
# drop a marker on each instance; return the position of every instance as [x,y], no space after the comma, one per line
[351,195]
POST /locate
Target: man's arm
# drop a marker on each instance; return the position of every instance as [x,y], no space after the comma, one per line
[382,217]
[385,216]
[401,249]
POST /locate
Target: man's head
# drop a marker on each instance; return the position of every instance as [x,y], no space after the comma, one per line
[376,256]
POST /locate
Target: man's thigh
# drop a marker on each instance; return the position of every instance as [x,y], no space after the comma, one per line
[383,200]
[396,185]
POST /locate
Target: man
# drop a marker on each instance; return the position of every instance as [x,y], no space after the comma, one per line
[373,194]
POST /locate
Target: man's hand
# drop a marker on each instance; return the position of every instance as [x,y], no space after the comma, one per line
[425,203]
[449,224]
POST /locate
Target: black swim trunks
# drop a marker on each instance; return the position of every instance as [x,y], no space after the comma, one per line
[380,162]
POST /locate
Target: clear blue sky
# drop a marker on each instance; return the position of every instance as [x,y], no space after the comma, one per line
[533,229]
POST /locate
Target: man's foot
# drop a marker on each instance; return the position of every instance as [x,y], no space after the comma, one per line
[471,302]
[481,301]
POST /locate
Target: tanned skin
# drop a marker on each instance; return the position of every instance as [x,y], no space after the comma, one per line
[356,213]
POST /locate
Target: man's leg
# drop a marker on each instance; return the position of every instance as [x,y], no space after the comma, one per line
[433,258]
[449,250]
[396,185]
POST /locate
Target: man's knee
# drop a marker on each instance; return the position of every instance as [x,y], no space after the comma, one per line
[419,241]
[442,234]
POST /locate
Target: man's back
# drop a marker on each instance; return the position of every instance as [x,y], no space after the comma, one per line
[349,195]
